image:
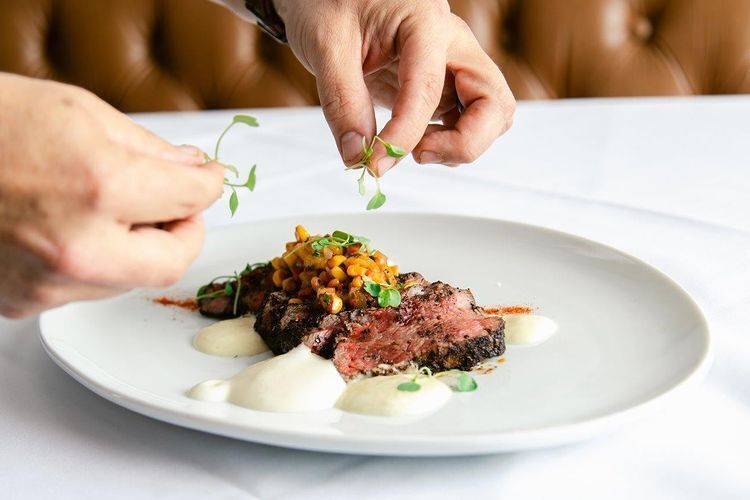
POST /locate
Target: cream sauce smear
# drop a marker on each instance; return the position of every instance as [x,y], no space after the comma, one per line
[300,381]
[232,337]
[528,329]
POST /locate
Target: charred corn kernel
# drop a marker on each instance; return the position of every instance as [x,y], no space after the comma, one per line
[279,276]
[331,302]
[326,291]
[315,262]
[333,283]
[352,249]
[315,283]
[295,300]
[336,305]
[380,259]
[357,282]
[301,234]
[393,270]
[277,263]
[338,273]
[337,250]
[355,270]
[290,245]
[357,299]
[290,258]
[335,261]
[366,262]
[377,277]
[323,276]
[289,285]
[306,293]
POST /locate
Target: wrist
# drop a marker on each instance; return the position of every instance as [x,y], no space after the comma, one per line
[267,18]
[282,9]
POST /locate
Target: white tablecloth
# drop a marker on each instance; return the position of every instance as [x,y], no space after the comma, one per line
[667,180]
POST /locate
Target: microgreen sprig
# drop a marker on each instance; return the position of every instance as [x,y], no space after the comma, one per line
[228,290]
[338,239]
[387,295]
[234,199]
[379,198]
[464,381]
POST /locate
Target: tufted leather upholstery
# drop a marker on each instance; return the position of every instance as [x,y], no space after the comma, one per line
[144,55]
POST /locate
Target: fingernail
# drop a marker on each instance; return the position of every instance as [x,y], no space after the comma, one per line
[430,157]
[385,164]
[189,152]
[351,147]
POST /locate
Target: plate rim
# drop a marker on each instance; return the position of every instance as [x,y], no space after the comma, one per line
[388,444]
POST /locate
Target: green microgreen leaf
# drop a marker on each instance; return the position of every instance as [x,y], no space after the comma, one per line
[394,151]
[372,288]
[389,297]
[228,289]
[234,202]
[250,184]
[465,383]
[246,119]
[377,201]
[410,386]
[361,184]
[201,291]
[231,168]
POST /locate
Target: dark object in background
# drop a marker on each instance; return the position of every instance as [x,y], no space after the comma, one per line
[154,55]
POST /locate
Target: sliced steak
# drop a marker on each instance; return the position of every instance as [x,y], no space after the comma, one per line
[282,325]
[254,287]
[437,326]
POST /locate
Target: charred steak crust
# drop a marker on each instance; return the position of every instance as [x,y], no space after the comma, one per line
[255,285]
[282,325]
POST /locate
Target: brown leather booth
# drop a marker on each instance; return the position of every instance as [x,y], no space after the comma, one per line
[146,55]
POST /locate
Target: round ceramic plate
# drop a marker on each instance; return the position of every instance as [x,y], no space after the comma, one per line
[627,337]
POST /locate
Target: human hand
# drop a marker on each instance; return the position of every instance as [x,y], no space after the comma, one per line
[412,56]
[91,204]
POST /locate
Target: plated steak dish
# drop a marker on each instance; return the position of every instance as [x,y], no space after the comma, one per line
[350,304]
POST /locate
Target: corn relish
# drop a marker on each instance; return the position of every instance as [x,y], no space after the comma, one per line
[332,269]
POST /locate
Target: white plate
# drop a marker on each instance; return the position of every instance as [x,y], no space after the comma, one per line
[628,336]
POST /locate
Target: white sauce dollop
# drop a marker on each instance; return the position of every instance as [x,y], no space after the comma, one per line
[528,329]
[232,337]
[298,381]
[380,396]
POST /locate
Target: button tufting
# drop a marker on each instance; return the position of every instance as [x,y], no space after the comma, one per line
[643,29]
[150,55]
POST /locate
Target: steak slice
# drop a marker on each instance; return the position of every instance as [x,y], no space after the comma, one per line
[282,325]
[437,326]
[254,287]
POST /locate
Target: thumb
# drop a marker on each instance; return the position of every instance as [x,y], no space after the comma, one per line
[344,97]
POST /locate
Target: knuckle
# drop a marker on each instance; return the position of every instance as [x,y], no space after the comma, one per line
[460,25]
[70,262]
[336,101]
[467,153]
[40,296]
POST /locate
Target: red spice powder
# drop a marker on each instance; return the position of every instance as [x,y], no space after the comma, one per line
[517,309]
[187,304]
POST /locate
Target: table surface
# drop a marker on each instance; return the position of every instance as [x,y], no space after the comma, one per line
[667,180]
